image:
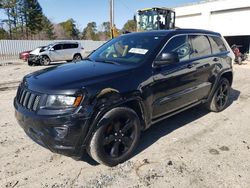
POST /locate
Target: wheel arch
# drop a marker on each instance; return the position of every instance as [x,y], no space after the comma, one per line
[101,109]
[226,74]
[77,54]
[229,76]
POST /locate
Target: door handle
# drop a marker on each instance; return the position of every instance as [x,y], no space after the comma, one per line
[189,66]
[216,59]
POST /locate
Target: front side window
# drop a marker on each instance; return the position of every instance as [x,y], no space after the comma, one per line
[200,46]
[127,49]
[180,45]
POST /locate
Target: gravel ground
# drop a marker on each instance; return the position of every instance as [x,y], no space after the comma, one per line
[193,149]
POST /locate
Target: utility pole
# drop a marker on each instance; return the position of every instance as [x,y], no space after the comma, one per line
[111,9]
[111,5]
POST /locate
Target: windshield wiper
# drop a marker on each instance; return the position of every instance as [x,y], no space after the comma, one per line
[87,58]
[106,61]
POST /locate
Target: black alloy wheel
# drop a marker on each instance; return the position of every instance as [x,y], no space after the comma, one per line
[117,138]
[220,97]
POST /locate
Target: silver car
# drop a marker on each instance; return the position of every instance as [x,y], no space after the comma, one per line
[60,51]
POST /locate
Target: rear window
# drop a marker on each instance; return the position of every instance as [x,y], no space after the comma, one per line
[200,46]
[217,45]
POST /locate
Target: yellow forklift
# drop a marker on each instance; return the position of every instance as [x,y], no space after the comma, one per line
[155,19]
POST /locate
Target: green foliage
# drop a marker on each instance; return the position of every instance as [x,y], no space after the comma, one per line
[3,34]
[34,16]
[90,32]
[130,26]
[70,29]
[47,29]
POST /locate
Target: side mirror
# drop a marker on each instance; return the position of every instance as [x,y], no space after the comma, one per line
[52,49]
[166,58]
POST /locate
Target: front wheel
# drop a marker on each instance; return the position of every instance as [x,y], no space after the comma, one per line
[220,97]
[45,61]
[116,138]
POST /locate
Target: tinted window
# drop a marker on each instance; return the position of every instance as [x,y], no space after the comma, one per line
[74,45]
[70,46]
[179,45]
[217,45]
[58,47]
[200,46]
[66,46]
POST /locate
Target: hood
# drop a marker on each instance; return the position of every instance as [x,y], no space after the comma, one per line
[74,76]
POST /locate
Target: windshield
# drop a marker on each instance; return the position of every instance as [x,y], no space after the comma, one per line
[127,49]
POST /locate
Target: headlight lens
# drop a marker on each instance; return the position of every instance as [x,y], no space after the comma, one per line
[62,101]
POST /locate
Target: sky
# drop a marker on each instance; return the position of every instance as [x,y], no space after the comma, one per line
[84,11]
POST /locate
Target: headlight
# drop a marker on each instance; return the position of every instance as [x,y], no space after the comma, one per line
[62,101]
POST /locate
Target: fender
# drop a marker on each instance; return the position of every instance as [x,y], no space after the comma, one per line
[217,82]
[106,100]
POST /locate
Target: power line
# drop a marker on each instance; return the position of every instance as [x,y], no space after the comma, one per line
[125,5]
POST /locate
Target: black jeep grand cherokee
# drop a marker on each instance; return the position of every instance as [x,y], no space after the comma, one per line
[100,105]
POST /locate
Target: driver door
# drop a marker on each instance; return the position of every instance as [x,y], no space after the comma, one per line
[174,83]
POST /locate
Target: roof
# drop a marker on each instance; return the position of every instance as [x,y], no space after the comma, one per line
[164,8]
[175,31]
[68,42]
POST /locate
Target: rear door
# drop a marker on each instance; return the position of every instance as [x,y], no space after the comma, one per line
[204,63]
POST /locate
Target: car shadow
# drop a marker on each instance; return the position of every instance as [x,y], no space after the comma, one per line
[163,128]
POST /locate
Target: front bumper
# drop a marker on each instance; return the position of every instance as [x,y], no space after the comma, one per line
[34,59]
[61,134]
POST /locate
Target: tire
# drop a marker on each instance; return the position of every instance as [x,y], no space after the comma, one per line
[30,63]
[220,97]
[117,137]
[45,60]
[77,58]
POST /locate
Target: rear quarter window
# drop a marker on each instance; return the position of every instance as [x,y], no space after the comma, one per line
[217,44]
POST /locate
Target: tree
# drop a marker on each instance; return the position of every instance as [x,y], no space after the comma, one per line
[104,33]
[9,8]
[90,32]
[3,34]
[48,29]
[130,26]
[34,14]
[70,29]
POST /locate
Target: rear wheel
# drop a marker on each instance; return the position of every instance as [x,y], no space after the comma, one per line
[116,139]
[220,97]
[77,57]
[45,61]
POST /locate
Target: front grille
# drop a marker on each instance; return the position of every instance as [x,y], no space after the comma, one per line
[28,99]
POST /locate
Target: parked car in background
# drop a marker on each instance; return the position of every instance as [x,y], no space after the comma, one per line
[34,57]
[101,105]
[60,51]
[24,55]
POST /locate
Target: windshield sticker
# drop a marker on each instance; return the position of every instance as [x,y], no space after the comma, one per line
[138,51]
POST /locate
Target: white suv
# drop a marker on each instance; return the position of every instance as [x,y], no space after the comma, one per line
[60,51]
